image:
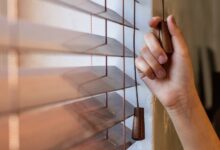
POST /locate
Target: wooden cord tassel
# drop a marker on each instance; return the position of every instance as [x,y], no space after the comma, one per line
[138,130]
[165,37]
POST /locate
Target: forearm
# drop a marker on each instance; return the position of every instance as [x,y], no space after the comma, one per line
[192,124]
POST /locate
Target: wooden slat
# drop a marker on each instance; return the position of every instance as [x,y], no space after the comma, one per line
[5,101]
[62,126]
[5,104]
[39,87]
[93,8]
[43,86]
[4,133]
[34,37]
[114,141]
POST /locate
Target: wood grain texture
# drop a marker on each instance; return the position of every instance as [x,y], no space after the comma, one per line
[165,136]
[70,124]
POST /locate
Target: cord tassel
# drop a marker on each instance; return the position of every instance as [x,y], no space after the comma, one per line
[165,37]
[138,131]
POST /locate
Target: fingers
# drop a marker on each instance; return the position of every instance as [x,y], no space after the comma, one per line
[156,50]
[173,28]
[144,68]
[149,66]
[157,68]
[155,21]
[153,55]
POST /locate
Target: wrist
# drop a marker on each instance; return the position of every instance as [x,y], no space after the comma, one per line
[184,101]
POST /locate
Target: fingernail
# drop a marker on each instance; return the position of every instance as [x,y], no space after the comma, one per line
[161,74]
[162,59]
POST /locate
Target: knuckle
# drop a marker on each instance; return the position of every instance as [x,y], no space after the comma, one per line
[150,74]
[143,51]
[140,64]
[148,36]
[148,71]
[156,66]
[138,59]
[156,49]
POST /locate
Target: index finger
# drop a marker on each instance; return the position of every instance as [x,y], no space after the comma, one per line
[154,22]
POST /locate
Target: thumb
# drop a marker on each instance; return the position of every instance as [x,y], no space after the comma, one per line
[179,43]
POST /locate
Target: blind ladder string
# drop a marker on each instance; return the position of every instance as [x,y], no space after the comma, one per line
[106,63]
[124,111]
[134,50]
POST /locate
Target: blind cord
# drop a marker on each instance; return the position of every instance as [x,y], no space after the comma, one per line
[134,50]
[91,30]
[106,63]
[124,115]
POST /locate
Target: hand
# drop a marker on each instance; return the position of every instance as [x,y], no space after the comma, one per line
[173,84]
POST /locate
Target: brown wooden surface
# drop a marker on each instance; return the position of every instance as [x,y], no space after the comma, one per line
[114,141]
[164,133]
[165,38]
[39,87]
[93,8]
[138,130]
[4,133]
[58,127]
[34,37]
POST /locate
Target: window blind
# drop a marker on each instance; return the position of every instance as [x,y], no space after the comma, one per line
[64,108]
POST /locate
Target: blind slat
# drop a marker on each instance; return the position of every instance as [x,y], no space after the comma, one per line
[4,133]
[95,9]
[35,37]
[54,107]
[99,142]
[39,87]
[71,123]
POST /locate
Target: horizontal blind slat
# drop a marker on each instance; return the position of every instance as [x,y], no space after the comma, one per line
[99,142]
[29,37]
[39,87]
[95,9]
[71,123]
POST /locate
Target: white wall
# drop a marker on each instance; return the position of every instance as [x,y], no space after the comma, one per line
[42,12]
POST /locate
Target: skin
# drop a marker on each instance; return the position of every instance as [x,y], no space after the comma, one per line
[171,79]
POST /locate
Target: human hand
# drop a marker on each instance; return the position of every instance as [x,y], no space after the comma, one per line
[172,85]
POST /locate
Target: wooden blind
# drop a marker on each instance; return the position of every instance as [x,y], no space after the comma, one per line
[74,108]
